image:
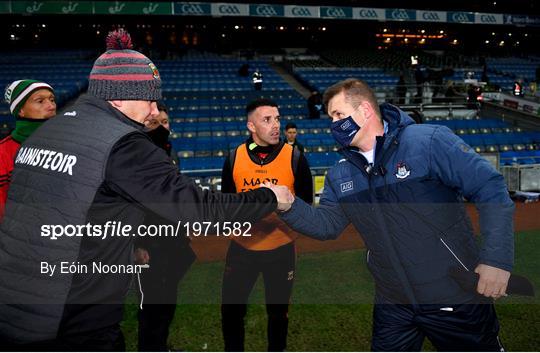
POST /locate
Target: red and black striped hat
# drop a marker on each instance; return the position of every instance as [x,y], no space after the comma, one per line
[124,74]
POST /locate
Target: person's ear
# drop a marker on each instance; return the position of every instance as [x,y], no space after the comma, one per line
[21,113]
[368,110]
[250,126]
[116,103]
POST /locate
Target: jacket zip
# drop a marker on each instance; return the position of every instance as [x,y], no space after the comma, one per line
[439,236]
[453,254]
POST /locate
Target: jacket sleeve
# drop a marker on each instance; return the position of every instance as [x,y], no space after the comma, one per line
[460,167]
[325,222]
[5,179]
[142,173]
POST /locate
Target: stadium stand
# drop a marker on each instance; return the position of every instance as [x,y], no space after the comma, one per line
[206,99]
[322,78]
[515,68]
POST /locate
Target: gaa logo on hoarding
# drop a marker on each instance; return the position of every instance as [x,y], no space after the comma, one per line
[460,17]
[229,10]
[191,9]
[368,13]
[488,19]
[301,11]
[265,10]
[335,12]
[400,15]
[430,16]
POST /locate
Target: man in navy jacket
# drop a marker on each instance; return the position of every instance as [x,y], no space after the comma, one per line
[402,186]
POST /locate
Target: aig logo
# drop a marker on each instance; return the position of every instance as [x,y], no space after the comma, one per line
[335,12]
[229,10]
[347,186]
[488,19]
[191,9]
[368,13]
[400,15]
[265,10]
[430,16]
[460,17]
[301,11]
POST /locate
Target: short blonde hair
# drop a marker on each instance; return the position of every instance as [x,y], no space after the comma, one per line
[356,91]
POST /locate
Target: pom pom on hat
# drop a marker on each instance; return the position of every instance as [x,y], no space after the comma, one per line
[122,73]
[118,40]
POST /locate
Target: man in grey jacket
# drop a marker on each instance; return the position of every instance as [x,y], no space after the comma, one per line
[81,187]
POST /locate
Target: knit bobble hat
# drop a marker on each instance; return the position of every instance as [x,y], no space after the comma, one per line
[18,92]
[124,74]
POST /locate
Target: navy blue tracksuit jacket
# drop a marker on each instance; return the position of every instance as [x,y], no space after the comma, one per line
[409,209]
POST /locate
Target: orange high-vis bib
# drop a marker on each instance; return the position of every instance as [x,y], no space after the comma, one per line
[269,233]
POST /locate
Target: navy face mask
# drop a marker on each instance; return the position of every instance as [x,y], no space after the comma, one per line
[344,130]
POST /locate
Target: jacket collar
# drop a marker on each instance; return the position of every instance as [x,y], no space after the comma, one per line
[88,99]
[272,151]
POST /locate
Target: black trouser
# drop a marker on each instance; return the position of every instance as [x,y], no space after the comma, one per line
[154,322]
[241,271]
[106,339]
[160,287]
[458,328]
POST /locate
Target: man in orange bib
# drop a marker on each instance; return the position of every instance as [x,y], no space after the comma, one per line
[270,250]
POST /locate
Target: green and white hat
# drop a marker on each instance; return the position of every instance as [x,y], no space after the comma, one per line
[19,91]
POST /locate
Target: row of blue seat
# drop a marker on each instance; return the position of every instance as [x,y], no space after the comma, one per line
[232,105]
[328,159]
[220,102]
[210,79]
[520,157]
[234,125]
[337,76]
[321,160]
[228,112]
[315,160]
[368,80]
[487,142]
[286,93]
[456,124]
[504,141]
[216,85]
[202,163]
[177,89]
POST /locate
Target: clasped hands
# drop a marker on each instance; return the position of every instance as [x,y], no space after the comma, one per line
[284,196]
